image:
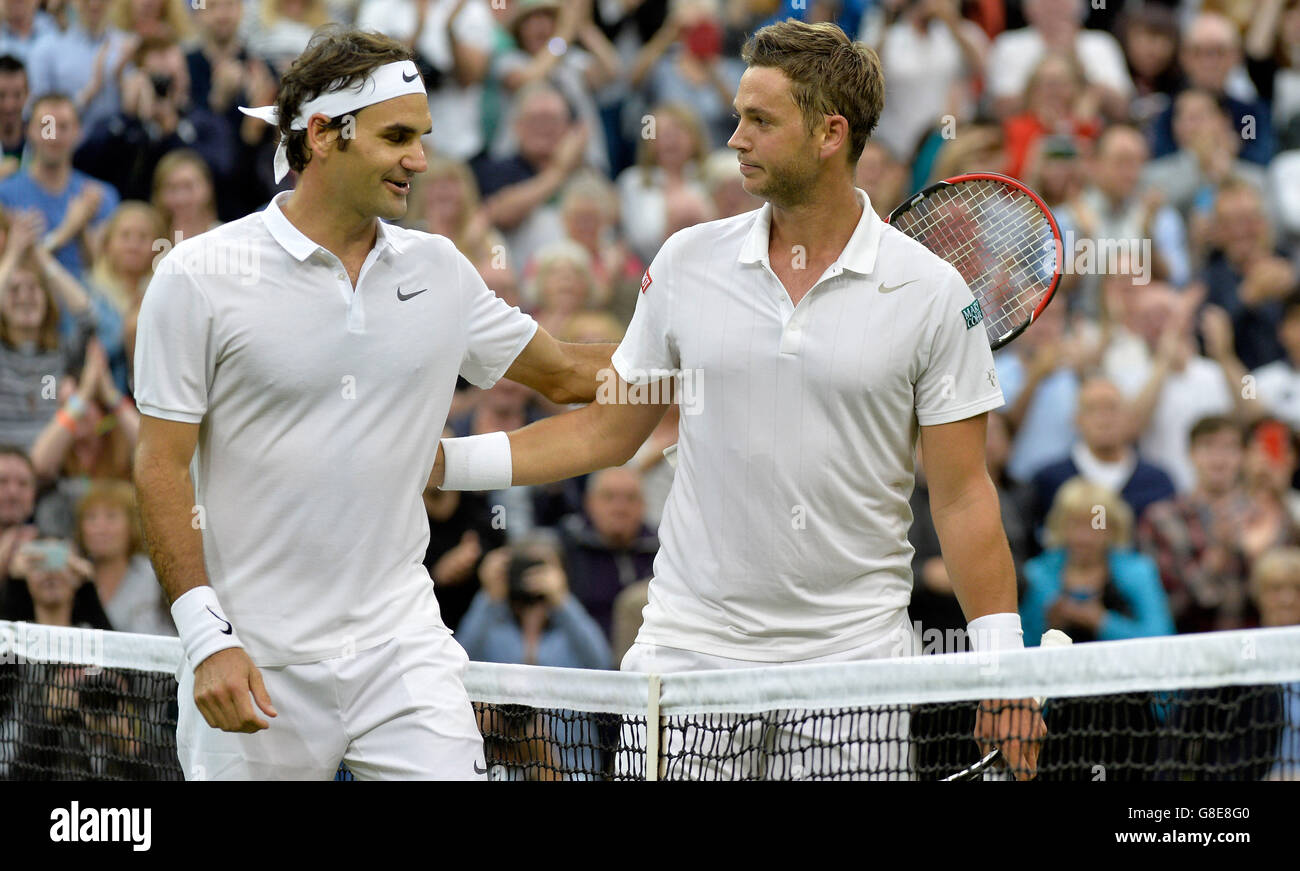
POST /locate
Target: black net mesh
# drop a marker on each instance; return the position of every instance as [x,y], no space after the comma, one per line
[71,722]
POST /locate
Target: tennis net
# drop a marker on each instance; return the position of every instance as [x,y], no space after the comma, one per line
[89,705]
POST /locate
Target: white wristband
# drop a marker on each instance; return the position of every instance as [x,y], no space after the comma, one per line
[996,632]
[480,462]
[202,625]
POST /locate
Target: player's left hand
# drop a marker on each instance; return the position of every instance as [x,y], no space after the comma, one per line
[1016,727]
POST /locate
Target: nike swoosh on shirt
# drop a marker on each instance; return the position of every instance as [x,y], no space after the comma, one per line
[886,289]
[478,770]
[405,296]
[229,629]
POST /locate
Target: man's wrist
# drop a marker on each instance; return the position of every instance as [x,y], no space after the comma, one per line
[202,625]
[996,632]
[480,462]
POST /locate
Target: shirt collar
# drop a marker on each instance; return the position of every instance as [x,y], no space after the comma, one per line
[300,247]
[859,255]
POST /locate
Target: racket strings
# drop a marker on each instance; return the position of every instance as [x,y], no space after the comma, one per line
[997,238]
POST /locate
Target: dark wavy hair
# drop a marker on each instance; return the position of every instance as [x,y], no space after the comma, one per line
[336,57]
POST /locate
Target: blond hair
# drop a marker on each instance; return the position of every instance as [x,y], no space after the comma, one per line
[108,280]
[113,494]
[1081,496]
[175,16]
[829,74]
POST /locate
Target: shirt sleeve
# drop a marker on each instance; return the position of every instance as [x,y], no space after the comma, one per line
[958,379]
[495,332]
[174,359]
[648,344]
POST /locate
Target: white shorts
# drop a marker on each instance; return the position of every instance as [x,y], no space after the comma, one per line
[397,711]
[863,744]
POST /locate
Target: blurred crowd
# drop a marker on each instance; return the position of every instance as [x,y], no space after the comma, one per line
[1147,455]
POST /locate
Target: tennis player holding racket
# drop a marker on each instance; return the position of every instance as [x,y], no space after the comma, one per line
[822,342]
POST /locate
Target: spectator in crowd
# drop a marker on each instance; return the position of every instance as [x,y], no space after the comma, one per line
[224,75]
[1112,211]
[1206,158]
[590,212]
[153,18]
[453,44]
[1179,387]
[669,157]
[881,176]
[1247,276]
[517,190]
[463,526]
[1277,384]
[932,59]
[184,196]
[1088,583]
[120,275]
[1195,538]
[445,200]
[108,533]
[21,238]
[609,545]
[557,43]
[284,28]
[1150,37]
[32,356]
[1210,52]
[85,61]
[563,285]
[725,184]
[1040,374]
[1275,588]
[524,613]
[49,584]
[1269,468]
[1054,30]
[21,27]
[92,437]
[1272,48]
[17,504]
[72,202]
[157,116]
[13,99]
[684,64]
[1056,102]
[1104,455]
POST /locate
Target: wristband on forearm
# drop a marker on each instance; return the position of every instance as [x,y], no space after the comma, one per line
[480,462]
[202,625]
[996,632]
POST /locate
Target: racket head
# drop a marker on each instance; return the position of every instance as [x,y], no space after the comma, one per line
[1000,237]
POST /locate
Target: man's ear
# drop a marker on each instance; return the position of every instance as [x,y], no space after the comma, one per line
[835,134]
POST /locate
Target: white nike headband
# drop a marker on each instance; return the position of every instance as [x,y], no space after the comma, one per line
[386,82]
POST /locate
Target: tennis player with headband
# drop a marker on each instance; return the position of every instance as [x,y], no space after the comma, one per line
[821,342]
[290,421]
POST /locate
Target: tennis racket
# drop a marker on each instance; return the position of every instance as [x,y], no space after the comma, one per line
[1051,638]
[999,235]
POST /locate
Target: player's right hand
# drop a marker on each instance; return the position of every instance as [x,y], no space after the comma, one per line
[225,686]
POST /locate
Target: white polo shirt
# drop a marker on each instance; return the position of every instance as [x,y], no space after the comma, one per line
[785,533]
[320,409]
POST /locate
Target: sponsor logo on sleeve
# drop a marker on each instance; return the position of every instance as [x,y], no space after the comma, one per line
[645,281]
[973,314]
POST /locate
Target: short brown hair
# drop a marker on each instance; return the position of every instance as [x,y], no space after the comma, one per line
[336,57]
[1213,425]
[830,74]
[113,494]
